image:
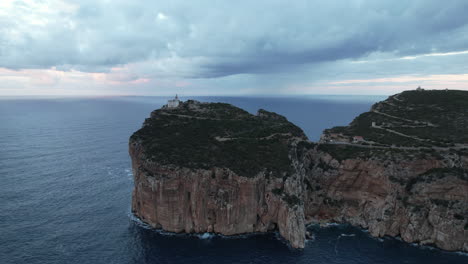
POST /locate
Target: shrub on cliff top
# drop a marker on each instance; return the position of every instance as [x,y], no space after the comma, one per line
[439,118]
[201,135]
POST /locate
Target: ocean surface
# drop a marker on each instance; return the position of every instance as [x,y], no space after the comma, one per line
[66,182]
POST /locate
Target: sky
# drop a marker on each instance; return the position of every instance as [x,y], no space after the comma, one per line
[242,47]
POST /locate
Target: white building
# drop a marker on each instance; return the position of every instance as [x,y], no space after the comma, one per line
[173,103]
[358,139]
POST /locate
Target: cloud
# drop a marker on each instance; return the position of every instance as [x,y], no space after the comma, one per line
[250,43]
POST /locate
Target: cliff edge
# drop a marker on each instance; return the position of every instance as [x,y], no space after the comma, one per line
[212,167]
[400,169]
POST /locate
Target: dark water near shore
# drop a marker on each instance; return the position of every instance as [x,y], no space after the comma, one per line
[65,185]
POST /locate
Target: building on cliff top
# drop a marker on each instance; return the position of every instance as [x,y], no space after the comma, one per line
[173,103]
[358,139]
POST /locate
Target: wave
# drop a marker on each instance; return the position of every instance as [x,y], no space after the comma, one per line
[311,238]
[129,174]
[138,221]
[205,236]
[331,224]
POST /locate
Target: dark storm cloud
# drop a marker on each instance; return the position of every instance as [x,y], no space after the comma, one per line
[210,39]
[418,28]
[264,62]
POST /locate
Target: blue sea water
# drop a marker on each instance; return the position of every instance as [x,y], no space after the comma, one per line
[66,181]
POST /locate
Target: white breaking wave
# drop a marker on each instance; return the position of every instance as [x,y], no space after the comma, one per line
[205,236]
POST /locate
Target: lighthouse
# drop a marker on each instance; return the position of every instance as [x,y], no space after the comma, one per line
[173,103]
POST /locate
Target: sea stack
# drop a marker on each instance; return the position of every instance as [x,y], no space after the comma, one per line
[400,169]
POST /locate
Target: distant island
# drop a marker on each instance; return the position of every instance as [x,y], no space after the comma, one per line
[400,169]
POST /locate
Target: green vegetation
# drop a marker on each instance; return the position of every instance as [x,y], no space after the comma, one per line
[211,110]
[439,202]
[308,184]
[291,200]
[427,118]
[303,147]
[439,173]
[362,126]
[416,208]
[332,202]
[324,166]
[343,152]
[430,176]
[400,181]
[458,217]
[205,135]
[337,129]
[277,191]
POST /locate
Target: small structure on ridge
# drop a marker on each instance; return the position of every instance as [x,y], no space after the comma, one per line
[173,103]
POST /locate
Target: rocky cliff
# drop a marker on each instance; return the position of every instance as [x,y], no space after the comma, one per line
[419,197]
[204,167]
[400,169]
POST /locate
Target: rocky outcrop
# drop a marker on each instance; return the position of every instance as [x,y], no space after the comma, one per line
[215,168]
[194,198]
[407,176]
[420,200]
[216,200]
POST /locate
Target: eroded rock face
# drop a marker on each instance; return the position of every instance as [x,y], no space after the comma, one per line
[420,200]
[195,198]
[216,168]
[400,170]
[216,200]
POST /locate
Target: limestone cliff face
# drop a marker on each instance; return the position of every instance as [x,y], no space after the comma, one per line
[216,168]
[216,200]
[406,174]
[195,199]
[412,198]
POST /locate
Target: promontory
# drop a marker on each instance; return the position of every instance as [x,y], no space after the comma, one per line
[399,170]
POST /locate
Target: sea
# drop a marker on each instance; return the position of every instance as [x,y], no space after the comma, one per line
[66,182]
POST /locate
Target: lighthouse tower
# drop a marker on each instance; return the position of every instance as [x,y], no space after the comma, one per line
[173,103]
